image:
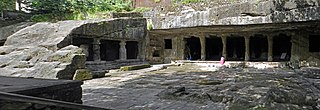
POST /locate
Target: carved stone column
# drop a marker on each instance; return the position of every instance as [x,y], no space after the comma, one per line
[141,51]
[224,49]
[123,50]
[96,50]
[203,47]
[270,48]
[247,44]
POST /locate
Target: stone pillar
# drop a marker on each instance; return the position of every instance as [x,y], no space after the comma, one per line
[123,50]
[181,47]
[203,47]
[141,51]
[270,48]
[85,49]
[96,50]
[247,44]
[224,49]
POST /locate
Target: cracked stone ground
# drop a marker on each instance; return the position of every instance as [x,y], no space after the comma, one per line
[191,87]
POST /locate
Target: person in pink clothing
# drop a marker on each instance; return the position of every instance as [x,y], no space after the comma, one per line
[222,61]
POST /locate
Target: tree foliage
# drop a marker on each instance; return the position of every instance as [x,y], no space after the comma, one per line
[50,6]
[84,6]
[74,9]
[6,4]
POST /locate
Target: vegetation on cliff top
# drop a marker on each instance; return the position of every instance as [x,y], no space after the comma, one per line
[75,9]
[55,10]
[6,5]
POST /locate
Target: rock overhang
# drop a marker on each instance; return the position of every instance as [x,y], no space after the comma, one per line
[45,50]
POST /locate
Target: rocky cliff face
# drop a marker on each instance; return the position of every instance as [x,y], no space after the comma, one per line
[9,30]
[33,52]
[44,50]
[235,13]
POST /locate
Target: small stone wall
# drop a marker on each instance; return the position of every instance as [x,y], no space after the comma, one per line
[63,90]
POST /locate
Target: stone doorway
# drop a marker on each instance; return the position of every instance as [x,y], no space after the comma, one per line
[281,48]
[258,48]
[235,48]
[132,50]
[213,48]
[109,50]
[193,48]
[86,45]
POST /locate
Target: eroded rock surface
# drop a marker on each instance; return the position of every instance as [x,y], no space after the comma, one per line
[190,87]
[9,30]
[235,12]
[44,50]
[33,51]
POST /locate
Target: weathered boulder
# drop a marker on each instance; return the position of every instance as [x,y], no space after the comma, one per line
[9,30]
[235,13]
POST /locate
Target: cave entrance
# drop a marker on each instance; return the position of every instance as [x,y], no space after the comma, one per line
[258,48]
[193,48]
[86,45]
[281,47]
[132,49]
[235,48]
[109,50]
[213,48]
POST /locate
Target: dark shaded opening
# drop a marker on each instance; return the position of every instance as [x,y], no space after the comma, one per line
[213,48]
[193,48]
[167,44]
[109,50]
[87,42]
[258,48]
[281,48]
[314,43]
[132,49]
[156,53]
[1,43]
[235,48]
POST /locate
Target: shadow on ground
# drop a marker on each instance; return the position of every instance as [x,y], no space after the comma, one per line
[187,87]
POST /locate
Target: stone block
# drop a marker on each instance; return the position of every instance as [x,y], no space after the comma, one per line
[82,74]
[134,67]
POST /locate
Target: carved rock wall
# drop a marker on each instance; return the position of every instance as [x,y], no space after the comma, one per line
[239,13]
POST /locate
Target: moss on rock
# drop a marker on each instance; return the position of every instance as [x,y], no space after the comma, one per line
[134,67]
[82,74]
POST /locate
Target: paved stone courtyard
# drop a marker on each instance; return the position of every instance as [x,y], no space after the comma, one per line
[192,87]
